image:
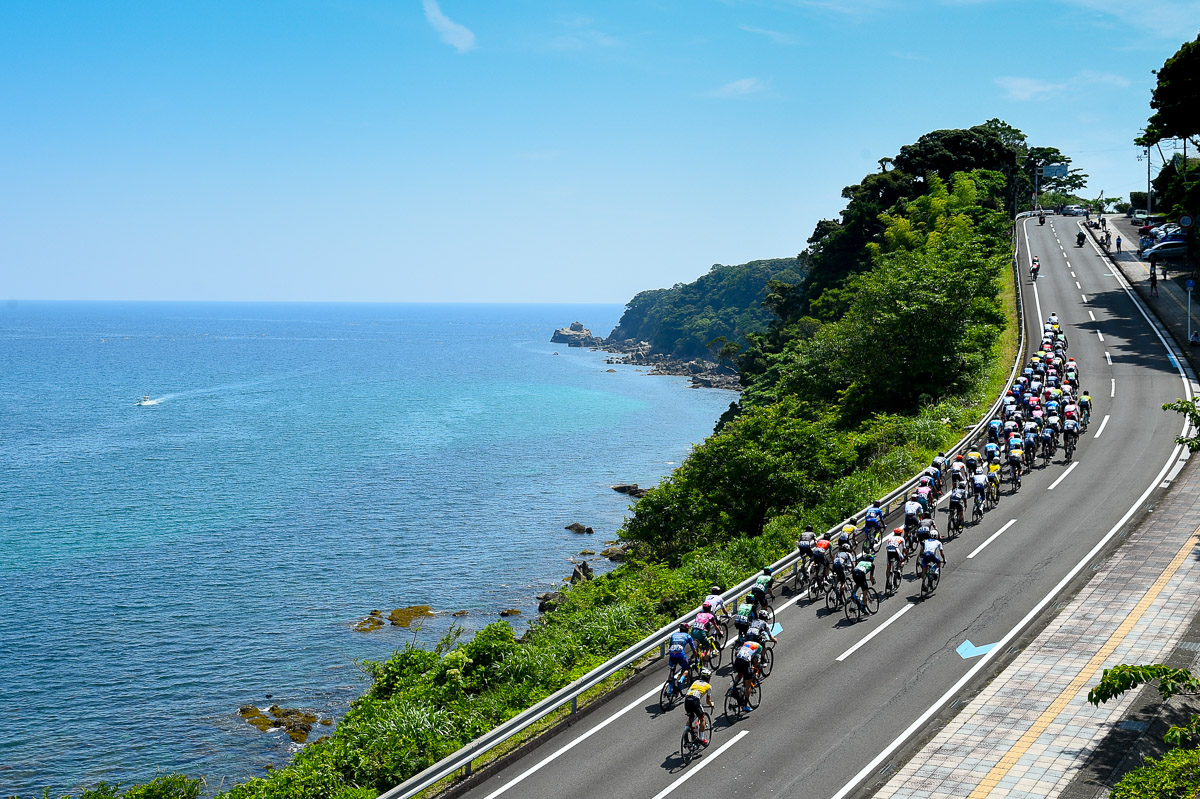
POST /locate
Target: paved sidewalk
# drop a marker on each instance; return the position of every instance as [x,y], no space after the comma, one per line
[1031,731]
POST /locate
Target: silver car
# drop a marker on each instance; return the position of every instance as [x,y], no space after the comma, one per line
[1167,251]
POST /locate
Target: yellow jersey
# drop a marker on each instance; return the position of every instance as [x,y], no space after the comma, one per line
[699,689]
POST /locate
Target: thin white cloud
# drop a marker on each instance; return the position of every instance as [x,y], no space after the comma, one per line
[739,88]
[849,8]
[1159,17]
[909,56]
[1024,89]
[457,36]
[775,36]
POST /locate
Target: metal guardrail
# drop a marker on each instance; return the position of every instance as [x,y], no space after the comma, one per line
[461,760]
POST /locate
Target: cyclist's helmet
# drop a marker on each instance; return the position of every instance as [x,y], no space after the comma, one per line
[716,589]
[958,457]
[808,528]
[706,607]
[684,627]
[898,531]
[875,504]
[705,674]
[767,570]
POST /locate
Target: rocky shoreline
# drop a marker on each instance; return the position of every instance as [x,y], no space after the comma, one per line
[702,373]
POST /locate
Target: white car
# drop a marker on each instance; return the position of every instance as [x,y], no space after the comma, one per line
[1074,210]
[1167,251]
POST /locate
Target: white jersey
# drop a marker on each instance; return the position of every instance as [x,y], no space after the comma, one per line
[715,602]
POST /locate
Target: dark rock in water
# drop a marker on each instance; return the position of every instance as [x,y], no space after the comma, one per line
[576,527]
[582,572]
[504,614]
[326,722]
[631,489]
[295,722]
[610,370]
[588,552]
[616,554]
[375,613]
[549,600]
[458,614]
[575,335]
[402,617]
[369,624]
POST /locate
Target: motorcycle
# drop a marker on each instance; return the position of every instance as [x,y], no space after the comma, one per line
[1079,239]
[1041,219]
[1033,273]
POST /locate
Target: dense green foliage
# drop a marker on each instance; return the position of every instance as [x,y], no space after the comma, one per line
[170,786]
[1176,113]
[1176,775]
[722,306]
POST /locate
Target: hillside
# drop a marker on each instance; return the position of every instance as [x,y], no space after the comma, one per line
[727,303]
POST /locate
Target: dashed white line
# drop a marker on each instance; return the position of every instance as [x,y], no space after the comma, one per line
[640,702]
[1092,315]
[687,775]
[1072,274]
[991,538]
[1084,297]
[1103,422]
[1077,285]
[1101,335]
[1063,476]
[1112,392]
[875,632]
[1108,357]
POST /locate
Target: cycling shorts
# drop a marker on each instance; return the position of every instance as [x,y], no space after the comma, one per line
[759,593]
[691,704]
[680,659]
[894,556]
[700,636]
[928,558]
[741,667]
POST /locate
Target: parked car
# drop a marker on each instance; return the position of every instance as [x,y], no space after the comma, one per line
[1140,217]
[1074,210]
[1166,251]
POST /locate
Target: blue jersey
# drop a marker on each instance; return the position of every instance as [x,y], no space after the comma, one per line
[679,641]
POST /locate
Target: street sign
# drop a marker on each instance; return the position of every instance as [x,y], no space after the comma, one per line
[1190,285]
[1186,221]
[1054,171]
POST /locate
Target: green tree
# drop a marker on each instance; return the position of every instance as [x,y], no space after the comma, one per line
[1176,111]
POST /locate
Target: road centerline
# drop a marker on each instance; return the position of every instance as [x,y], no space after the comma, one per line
[1103,422]
[991,538]
[874,632]
[1063,476]
[687,775]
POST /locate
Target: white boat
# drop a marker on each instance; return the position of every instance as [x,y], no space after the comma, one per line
[146,401]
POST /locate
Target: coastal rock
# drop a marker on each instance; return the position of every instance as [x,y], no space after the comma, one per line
[504,614]
[615,554]
[631,489]
[588,552]
[403,617]
[295,722]
[369,624]
[549,600]
[610,370]
[582,572]
[458,614]
[575,335]
[576,527]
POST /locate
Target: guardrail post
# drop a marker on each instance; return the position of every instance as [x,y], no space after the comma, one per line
[467,769]
[662,649]
[574,704]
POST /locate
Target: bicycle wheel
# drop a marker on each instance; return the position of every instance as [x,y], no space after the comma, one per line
[714,658]
[766,663]
[755,697]
[667,697]
[853,608]
[770,615]
[688,744]
[871,600]
[733,706]
[831,598]
[708,729]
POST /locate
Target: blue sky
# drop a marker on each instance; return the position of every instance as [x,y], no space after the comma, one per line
[472,150]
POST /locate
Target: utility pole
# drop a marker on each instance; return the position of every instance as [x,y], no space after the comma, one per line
[1149,200]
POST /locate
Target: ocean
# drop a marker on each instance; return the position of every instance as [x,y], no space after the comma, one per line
[300,466]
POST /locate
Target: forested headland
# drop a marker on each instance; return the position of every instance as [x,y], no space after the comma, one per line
[892,331]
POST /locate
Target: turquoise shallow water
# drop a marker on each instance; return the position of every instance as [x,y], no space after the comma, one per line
[161,566]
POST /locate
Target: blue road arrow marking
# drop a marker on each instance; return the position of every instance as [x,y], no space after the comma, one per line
[777,629]
[968,650]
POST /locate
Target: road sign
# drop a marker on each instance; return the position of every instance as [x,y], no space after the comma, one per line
[1190,285]
[1186,221]
[1054,171]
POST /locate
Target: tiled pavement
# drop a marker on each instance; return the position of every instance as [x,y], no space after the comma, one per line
[1031,731]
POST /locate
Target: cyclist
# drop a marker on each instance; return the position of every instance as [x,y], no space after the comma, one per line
[805,546]
[973,459]
[1015,457]
[677,646]
[931,553]
[925,493]
[1071,432]
[991,450]
[895,547]
[862,569]
[699,629]
[979,486]
[941,464]
[873,522]
[741,619]
[958,471]
[994,475]
[1085,405]
[958,504]
[822,555]
[912,512]
[994,428]
[759,632]
[700,689]
[713,603]
[745,665]
[763,589]
[843,561]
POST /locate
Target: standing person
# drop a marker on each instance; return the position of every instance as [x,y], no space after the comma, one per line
[1118,243]
[1153,282]
[1104,223]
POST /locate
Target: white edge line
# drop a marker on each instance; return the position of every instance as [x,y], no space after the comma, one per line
[1063,476]
[991,538]
[1103,422]
[875,632]
[551,758]
[1003,642]
[1092,315]
[1113,391]
[687,775]
[1108,357]
[983,661]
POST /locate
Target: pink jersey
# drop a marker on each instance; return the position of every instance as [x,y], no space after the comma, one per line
[706,619]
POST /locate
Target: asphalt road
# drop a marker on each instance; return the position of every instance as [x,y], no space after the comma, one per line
[834,722]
